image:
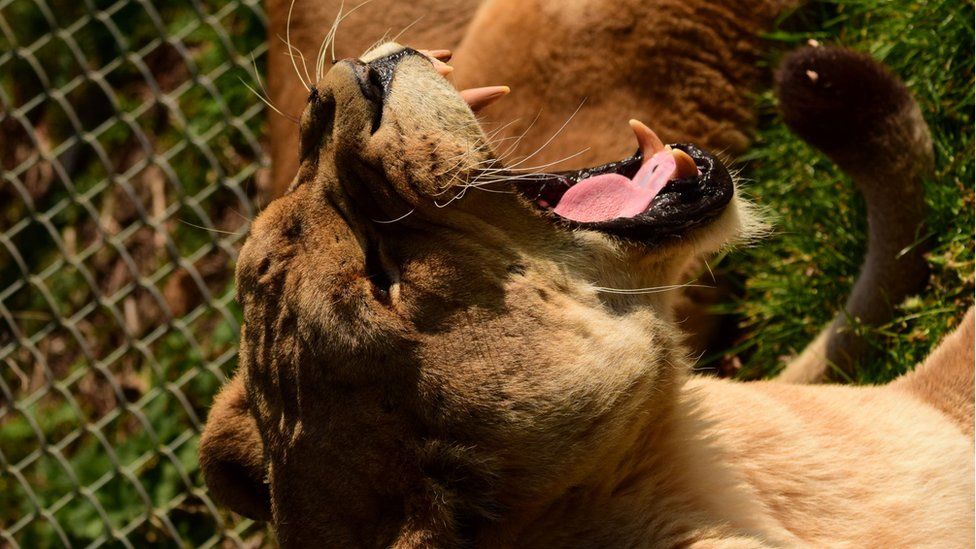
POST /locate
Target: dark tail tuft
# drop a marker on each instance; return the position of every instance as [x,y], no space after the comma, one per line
[862,117]
[846,104]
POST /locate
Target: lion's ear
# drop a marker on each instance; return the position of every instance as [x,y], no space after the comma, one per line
[232,455]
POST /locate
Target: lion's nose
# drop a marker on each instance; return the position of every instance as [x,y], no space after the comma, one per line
[370,83]
[375,77]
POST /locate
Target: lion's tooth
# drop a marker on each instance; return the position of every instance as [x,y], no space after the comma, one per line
[438,58]
[479,98]
[684,165]
[650,144]
[441,55]
[441,67]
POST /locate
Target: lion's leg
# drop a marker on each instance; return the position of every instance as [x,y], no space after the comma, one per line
[580,70]
[947,378]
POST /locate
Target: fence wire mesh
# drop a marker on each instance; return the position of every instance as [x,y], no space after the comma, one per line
[130,154]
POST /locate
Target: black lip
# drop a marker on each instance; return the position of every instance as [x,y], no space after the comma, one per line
[384,67]
[682,205]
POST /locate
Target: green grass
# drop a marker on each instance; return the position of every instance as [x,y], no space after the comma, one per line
[794,282]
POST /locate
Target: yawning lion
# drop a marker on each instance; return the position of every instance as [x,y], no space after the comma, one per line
[442,350]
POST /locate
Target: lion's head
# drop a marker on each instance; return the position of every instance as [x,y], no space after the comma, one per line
[428,347]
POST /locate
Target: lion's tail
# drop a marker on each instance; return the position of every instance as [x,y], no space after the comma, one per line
[862,117]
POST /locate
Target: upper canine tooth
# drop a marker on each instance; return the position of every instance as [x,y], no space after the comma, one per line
[479,98]
[684,165]
[650,144]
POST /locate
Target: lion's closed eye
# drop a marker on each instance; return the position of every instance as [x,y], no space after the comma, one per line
[382,278]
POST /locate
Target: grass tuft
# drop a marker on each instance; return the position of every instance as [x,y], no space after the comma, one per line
[794,282]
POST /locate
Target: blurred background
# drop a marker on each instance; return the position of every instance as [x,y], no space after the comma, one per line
[132,160]
[131,156]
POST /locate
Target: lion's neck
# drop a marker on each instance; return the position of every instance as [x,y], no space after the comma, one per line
[669,487]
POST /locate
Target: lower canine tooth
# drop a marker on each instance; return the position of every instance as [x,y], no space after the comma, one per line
[684,165]
[442,68]
[438,58]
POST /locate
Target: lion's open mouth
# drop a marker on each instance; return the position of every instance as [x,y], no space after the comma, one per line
[644,197]
[661,190]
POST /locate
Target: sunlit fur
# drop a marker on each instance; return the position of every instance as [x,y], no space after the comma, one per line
[497,394]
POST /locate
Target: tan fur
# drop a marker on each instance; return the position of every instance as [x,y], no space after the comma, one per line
[423,24]
[946,378]
[686,67]
[232,468]
[493,395]
[689,68]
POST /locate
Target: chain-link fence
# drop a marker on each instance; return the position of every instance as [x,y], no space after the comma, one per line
[131,154]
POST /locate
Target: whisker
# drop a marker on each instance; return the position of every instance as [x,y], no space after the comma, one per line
[494,175]
[554,135]
[339,22]
[458,196]
[496,191]
[532,169]
[491,175]
[381,40]
[709,268]
[324,46]
[402,217]
[268,103]
[491,161]
[242,216]
[290,47]
[405,29]
[208,229]
[257,74]
[294,53]
[652,290]
[511,149]
[265,96]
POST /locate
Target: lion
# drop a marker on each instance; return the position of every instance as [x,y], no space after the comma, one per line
[580,69]
[441,350]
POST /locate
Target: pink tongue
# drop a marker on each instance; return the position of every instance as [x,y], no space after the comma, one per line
[610,196]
